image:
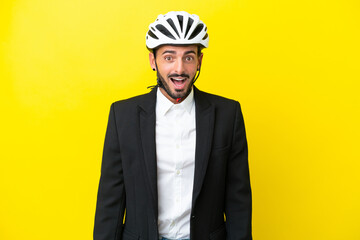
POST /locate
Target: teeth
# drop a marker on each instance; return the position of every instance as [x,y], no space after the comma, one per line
[178,79]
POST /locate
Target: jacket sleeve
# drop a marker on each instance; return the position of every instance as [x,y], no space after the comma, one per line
[238,203]
[110,205]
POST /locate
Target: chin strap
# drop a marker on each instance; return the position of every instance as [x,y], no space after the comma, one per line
[151,86]
[159,83]
[197,74]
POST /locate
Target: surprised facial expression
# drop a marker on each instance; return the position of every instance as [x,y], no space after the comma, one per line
[177,67]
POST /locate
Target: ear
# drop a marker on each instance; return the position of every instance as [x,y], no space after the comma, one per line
[152,60]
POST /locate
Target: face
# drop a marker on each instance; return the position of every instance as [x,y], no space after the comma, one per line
[177,67]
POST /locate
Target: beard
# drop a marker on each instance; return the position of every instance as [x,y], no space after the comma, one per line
[178,93]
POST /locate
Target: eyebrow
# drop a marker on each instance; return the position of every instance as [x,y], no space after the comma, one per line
[173,52]
[190,52]
[168,51]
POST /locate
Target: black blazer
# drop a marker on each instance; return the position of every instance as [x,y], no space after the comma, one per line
[129,174]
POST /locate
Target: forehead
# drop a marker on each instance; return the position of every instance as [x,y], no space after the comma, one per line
[178,49]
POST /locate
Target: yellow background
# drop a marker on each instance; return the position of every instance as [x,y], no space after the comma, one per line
[293,65]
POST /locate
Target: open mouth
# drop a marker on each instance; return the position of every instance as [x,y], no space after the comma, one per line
[179,82]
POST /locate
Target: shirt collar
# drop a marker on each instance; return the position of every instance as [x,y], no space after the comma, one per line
[163,104]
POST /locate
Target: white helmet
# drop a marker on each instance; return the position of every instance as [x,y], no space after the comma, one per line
[177,28]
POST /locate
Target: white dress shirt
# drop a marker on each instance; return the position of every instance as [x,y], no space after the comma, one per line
[175,152]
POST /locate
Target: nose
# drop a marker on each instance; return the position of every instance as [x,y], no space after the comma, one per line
[179,66]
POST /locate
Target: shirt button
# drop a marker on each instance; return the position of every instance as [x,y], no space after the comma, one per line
[177,146]
[178,172]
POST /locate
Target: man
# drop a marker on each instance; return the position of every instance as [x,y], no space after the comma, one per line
[175,159]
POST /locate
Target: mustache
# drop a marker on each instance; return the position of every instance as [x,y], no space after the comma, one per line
[178,75]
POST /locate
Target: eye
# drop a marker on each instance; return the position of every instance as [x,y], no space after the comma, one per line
[189,58]
[168,58]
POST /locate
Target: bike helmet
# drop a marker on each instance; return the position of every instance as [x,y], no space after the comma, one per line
[178,28]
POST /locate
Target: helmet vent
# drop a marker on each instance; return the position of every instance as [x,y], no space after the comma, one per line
[170,21]
[190,22]
[205,37]
[196,31]
[151,34]
[180,18]
[164,31]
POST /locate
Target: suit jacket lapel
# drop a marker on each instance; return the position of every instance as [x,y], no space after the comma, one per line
[205,114]
[147,133]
